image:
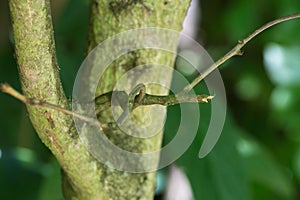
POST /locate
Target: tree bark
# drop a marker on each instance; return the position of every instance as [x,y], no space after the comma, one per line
[83,176]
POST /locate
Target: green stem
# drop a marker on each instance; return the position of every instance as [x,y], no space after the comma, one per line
[173,99]
[104,102]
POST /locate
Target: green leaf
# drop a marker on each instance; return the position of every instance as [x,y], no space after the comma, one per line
[220,175]
[282,64]
[264,170]
[51,186]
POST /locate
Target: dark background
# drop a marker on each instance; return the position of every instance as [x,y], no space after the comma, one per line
[258,154]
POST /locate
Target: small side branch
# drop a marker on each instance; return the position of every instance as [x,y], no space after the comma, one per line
[236,50]
[6,88]
[140,99]
[173,99]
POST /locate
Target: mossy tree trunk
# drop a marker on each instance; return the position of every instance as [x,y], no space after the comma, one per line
[83,176]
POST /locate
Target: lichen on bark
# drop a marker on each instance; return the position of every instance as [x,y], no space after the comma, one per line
[107,19]
[83,176]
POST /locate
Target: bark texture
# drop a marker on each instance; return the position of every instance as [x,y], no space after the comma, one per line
[107,19]
[83,176]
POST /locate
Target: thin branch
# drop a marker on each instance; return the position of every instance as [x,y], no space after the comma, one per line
[173,99]
[105,100]
[236,51]
[6,88]
[140,97]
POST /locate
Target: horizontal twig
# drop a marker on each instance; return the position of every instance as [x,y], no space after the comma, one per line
[104,102]
[140,99]
[173,99]
[6,88]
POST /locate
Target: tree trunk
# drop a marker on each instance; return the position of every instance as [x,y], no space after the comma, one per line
[83,176]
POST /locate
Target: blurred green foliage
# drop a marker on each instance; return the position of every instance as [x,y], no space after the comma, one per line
[258,154]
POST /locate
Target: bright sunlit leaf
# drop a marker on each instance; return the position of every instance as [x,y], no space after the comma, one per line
[282,64]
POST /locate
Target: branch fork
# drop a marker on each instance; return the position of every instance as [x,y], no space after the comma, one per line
[138,96]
